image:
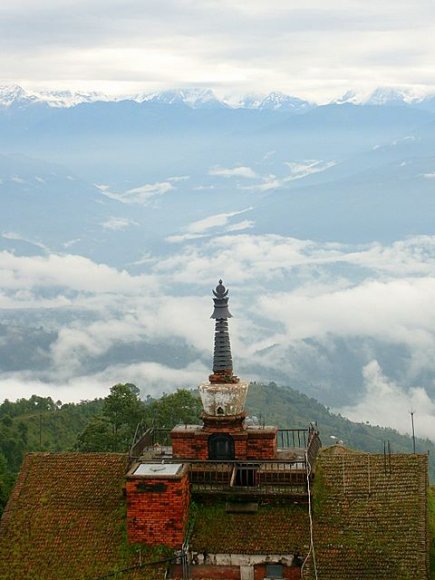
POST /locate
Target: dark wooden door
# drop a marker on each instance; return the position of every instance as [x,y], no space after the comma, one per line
[221,447]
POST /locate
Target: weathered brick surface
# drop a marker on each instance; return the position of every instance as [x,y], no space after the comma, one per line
[189,444]
[203,572]
[262,443]
[289,573]
[370,518]
[248,443]
[207,572]
[157,510]
[193,444]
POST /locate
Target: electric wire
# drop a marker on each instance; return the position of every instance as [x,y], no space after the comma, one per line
[310,515]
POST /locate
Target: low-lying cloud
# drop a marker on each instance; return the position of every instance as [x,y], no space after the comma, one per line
[200,228]
[118,223]
[142,195]
[351,325]
[240,171]
[384,402]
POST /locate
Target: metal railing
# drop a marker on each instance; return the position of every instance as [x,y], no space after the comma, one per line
[223,473]
[147,437]
[293,438]
[142,438]
[260,477]
[161,436]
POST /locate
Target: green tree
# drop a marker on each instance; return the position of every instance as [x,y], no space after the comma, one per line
[123,406]
[7,420]
[124,410]
[114,429]
[97,436]
[183,406]
[23,430]
[6,481]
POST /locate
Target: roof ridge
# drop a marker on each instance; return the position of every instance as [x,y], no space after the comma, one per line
[16,492]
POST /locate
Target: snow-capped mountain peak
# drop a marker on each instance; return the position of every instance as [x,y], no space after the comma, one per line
[381,96]
[248,101]
[389,96]
[193,98]
[12,94]
[275,101]
[280,101]
[70,98]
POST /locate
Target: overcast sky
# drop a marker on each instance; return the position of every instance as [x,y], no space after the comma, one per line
[316,50]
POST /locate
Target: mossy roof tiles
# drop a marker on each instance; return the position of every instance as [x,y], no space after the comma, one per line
[369,514]
[270,530]
[370,517]
[66,518]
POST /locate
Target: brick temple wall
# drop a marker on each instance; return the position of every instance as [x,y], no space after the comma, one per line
[157,509]
[213,572]
[191,442]
[205,572]
[262,443]
[289,573]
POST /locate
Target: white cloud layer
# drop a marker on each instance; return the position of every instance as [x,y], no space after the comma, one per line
[300,307]
[386,402]
[118,223]
[300,170]
[240,171]
[142,195]
[200,228]
[153,378]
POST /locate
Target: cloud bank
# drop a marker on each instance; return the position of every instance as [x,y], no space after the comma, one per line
[351,325]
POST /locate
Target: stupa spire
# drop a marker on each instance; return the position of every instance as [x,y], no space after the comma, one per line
[222,359]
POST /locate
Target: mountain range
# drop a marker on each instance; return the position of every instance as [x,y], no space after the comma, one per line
[326,172]
[14,95]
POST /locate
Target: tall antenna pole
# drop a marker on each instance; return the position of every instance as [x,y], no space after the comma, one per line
[413,432]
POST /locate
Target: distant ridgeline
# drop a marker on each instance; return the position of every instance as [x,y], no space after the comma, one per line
[287,407]
[40,424]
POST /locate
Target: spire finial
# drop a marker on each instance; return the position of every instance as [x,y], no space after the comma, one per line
[220,300]
[222,360]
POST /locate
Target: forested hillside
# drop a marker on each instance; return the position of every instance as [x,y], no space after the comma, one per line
[40,424]
[37,424]
[286,407]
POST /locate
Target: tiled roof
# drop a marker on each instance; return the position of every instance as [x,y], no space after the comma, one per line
[369,520]
[66,519]
[270,530]
[370,517]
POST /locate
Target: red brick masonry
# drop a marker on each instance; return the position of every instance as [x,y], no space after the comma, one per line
[288,573]
[157,509]
[191,441]
[230,572]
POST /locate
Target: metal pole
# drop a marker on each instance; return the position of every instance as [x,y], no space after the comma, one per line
[413,432]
